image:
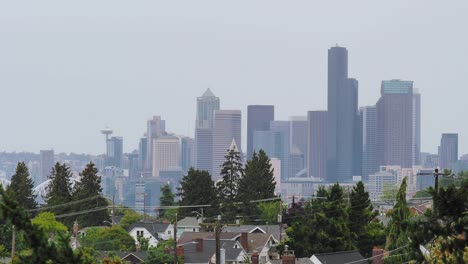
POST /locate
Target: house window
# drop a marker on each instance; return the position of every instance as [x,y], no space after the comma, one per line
[140,233]
[193,229]
[169,232]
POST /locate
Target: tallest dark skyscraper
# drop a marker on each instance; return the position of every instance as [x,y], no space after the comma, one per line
[342,117]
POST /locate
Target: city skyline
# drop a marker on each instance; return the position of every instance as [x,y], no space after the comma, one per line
[67,84]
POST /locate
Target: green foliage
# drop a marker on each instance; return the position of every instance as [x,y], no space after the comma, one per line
[365,234]
[160,254]
[41,250]
[228,187]
[398,228]
[143,242]
[446,224]
[130,217]
[47,222]
[197,187]
[269,211]
[166,199]
[389,191]
[257,183]
[60,191]
[422,194]
[3,252]
[108,239]
[89,186]
[323,227]
[21,187]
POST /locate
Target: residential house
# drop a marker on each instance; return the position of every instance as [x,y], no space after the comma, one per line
[188,224]
[155,232]
[133,257]
[204,251]
[339,258]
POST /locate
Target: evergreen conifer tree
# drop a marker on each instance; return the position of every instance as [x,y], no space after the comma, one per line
[21,187]
[228,187]
[257,183]
[166,199]
[60,192]
[398,227]
[90,186]
[197,187]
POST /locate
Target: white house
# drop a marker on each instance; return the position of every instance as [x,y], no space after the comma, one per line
[155,232]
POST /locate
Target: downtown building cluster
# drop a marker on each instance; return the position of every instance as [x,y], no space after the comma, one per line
[378,144]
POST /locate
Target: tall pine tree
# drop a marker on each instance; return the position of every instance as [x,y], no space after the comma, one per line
[257,183]
[166,199]
[59,192]
[228,187]
[90,186]
[197,188]
[21,187]
[398,227]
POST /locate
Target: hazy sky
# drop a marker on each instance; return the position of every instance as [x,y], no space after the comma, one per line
[69,69]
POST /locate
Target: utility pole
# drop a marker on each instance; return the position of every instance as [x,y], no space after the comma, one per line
[13,241]
[175,240]
[144,207]
[280,219]
[436,181]
[113,209]
[218,226]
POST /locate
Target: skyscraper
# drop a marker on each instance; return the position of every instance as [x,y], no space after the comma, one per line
[342,112]
[114,155]
[155,128]
[204,149]
[448,150]
[227,126]
[298,131]
[258,119]
[416,127]
[275,142]
[206,105]
[317,143]
[142,145]
[369,141]
[395,141]
[187,153]
[47,162]
[165,154]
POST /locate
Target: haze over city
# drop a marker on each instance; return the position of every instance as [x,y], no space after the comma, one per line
[69,69]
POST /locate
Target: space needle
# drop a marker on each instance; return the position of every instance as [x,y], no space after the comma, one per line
[107,131]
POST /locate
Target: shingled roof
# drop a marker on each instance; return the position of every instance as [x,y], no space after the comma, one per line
[338,257]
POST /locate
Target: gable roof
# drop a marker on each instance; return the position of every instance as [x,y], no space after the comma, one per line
[190,236]
[153,228]
[340,257]
[188,222]
[273,229]
[191,255]
[140,255]
[257,241]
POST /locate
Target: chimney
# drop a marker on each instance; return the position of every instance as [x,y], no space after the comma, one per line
[180,251]
[255,257]
[199,244]
[378,255]
[75,228]
[244,240]
[288,256]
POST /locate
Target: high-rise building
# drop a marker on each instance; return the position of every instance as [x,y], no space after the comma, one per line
[298,132]
[395,137]
[133,165]
[317,143]
[296,161]
[155,128]
[47,163]
[165,154]
[187,153]
[227,127]
[258,119]
[275,142]
[142,152]
[342,112]
[207,104]
[114,156]
[369,141]
[448,150]
[416,128]
[204,149]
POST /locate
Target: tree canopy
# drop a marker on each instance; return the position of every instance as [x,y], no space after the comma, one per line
[228,188]
[21,187]
[197,188]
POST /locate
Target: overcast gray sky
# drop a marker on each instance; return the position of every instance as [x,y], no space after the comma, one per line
[69,69]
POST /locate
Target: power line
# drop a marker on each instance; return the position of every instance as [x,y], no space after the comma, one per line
[83,212]
[357,261]
[64,204]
